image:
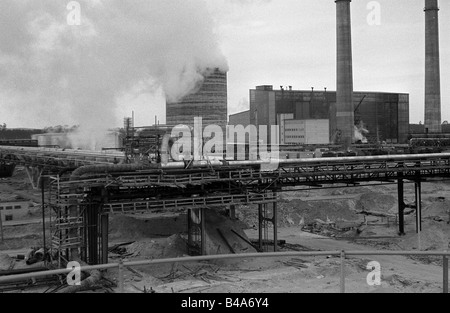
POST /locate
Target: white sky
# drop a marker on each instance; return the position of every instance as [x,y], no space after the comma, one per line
[292,42]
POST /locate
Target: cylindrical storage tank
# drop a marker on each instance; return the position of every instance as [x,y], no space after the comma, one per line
[209,102]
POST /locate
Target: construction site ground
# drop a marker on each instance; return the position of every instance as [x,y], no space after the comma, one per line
[361,218]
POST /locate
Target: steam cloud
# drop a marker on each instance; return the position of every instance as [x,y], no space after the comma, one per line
[51,69]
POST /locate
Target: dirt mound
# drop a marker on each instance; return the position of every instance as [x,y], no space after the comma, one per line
[298,212]
[171,247]
[376,202]
[219,227]
[130,228]
[438,207]
[5,262]
[350,191]
[431,238]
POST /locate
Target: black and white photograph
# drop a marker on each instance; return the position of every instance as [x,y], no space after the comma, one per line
[224,155]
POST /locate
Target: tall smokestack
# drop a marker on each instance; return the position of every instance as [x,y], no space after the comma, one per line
[344,96]
[432,68]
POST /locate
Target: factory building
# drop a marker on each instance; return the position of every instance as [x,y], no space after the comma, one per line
[384,115]
[209,102]
[242,118]
[110,140]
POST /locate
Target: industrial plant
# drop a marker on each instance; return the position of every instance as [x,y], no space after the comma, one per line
[208,102]
[338,181]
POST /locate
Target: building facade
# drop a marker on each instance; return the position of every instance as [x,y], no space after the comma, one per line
[384,115]
[305,132]
[242,118]
[209,102]
[11,210]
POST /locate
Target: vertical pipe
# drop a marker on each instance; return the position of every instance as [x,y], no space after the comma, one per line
[73,213]
[203,230]
[418,196]
[418,193]
[342,284]
[432,68]
[189,226]
[95,234]
[85,230]
[105,231]
[401,205]
[43,216]
[420,204]
[445,267]
[260,227]
[275,227]
[344,92]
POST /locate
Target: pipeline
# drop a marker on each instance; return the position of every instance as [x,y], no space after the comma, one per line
[102,169]
[288,162]
[166,164]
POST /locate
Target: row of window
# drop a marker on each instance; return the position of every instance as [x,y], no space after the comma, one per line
[16,207]
[294,129]
[301,137]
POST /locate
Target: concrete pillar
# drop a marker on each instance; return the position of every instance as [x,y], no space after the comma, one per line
[344,96]
[432,68]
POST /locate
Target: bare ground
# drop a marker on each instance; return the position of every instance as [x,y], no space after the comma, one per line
[306,274]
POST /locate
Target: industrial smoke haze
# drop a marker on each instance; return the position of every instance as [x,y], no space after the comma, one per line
[50,70]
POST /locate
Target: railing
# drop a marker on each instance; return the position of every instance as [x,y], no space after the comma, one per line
[342,254]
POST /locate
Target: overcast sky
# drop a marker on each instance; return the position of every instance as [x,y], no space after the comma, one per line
[281,42]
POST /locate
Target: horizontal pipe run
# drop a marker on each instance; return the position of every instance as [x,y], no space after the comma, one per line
[5,279]
[46,152]
[281,162]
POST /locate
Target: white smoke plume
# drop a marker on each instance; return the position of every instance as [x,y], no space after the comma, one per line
[361,132]
[52,70]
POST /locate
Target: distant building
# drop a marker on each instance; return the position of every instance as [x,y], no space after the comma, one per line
[110,140]
[60,140]
[385,115]
[242,118]
[305,132]
[209,102]
[11,210]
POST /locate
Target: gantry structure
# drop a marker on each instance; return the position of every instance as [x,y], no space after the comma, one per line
[96,186]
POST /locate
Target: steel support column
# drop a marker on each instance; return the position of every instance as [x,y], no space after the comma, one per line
[445,278]
[275,227]
[260,226]
[105,234]
[418,194]
[73,212]
[401,206]
[203,230]
[189,226]
[92,226]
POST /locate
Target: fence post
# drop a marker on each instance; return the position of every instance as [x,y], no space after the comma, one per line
[342,284]
[445,267]
[121,270]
